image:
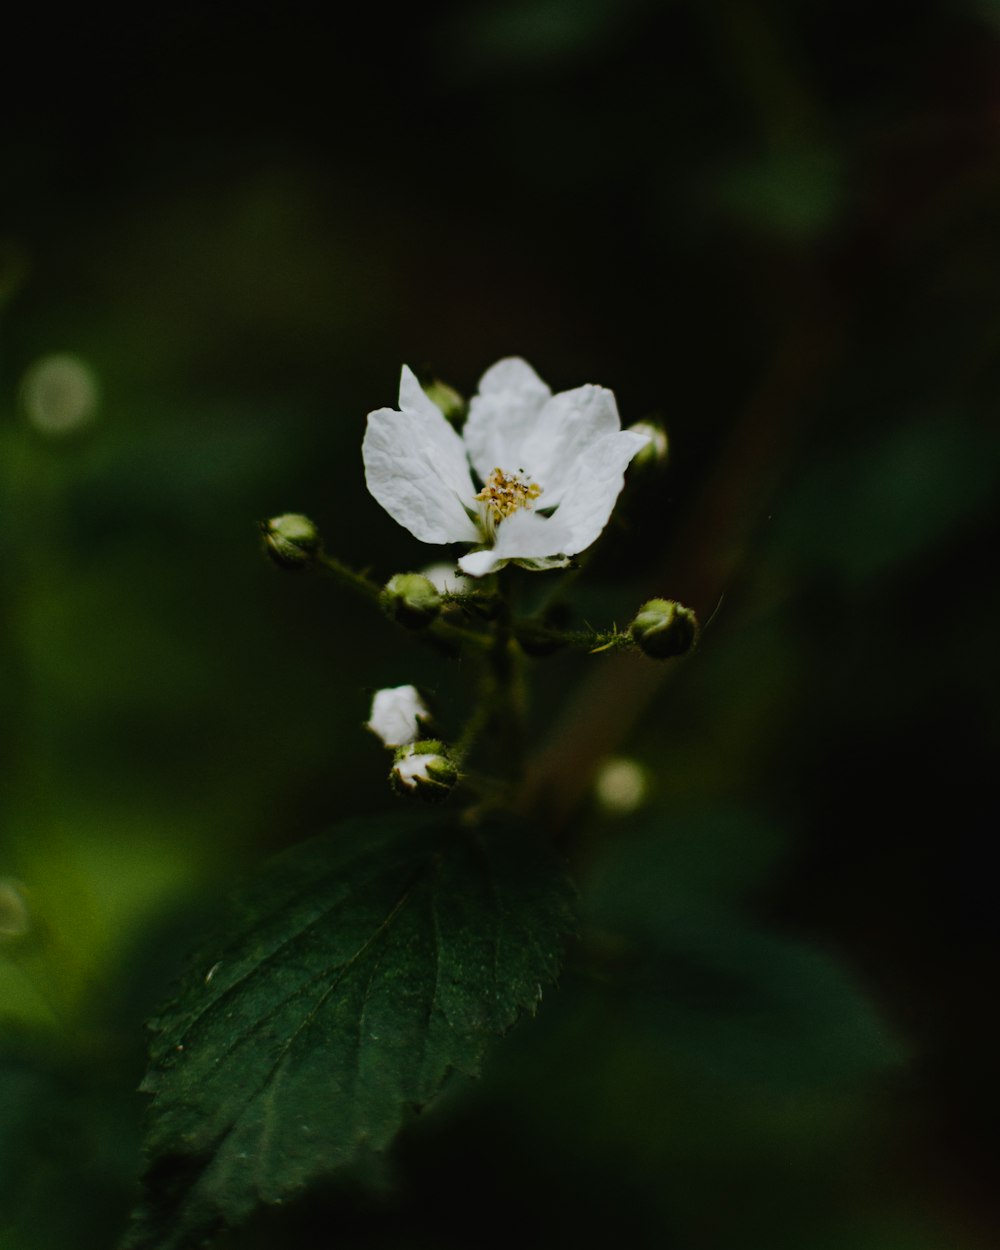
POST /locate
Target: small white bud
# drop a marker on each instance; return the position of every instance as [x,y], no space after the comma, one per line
[424,771]
[398,715]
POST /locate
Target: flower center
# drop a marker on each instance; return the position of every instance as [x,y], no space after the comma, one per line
[503,494]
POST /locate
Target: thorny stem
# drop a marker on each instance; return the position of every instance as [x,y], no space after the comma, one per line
[481,601]
[529,633]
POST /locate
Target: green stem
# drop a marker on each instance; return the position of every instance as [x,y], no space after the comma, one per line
[540,639]
[506,677]
[349,578]
[482,601]
[474,726]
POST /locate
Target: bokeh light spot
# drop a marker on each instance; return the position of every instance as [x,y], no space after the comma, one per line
[59,394]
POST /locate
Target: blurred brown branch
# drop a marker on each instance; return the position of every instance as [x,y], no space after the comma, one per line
[702,562]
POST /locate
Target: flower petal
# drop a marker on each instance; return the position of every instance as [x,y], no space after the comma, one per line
[511,395]
[415,466]
[479,563]
[397,715]
[592,486]
[413,397]
[567,425]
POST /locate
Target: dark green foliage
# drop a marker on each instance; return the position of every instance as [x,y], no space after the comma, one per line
[694,975]
[360,970]
[68,1143]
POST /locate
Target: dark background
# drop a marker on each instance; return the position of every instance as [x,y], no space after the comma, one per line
[777,227]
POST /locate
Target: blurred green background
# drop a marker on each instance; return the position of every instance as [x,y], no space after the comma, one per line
[777,226]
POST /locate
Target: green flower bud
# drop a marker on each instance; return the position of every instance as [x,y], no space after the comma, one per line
[411,599]
[291,540]
[447,399]
[423,770]
[664,628]
[657,448]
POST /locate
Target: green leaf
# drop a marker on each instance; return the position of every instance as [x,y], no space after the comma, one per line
[755,1008]
[361,969]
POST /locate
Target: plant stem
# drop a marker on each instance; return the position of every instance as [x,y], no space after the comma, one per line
[506,677]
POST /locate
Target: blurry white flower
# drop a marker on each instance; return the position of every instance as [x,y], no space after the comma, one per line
[551,468]
[397,715]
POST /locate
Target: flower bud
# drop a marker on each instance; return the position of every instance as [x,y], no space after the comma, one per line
[397,715]
[15,919]
[411,599]
[656,449]
[664,628]
[447,399]
[446,579]
[291,540]
[423,770]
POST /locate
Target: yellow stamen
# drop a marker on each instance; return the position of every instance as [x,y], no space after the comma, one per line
[503,494]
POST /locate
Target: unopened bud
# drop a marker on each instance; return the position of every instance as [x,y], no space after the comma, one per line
[15,919]
[411,599]
[397,715]
[291,540]
[423,770]
[664,628]
[446,579]
[657,447]
[447,399]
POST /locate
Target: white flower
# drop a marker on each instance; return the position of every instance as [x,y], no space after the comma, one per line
[551,468]
[397,715]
